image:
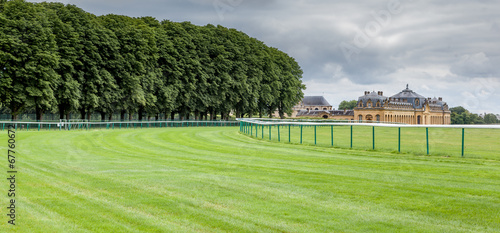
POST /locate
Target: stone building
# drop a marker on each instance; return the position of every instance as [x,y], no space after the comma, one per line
[318,106]
[405,107]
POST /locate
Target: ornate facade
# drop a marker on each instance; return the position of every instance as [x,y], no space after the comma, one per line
[405,107]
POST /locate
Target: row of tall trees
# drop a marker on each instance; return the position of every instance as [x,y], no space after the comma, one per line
[59,58]
[461,116]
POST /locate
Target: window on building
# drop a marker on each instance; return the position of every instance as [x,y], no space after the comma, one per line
[378,118]
[360,118]
[316,109]
[324,108]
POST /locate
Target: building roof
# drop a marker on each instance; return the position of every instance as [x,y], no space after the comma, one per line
[373,96]
[407,94]
[315,101]
[318,113]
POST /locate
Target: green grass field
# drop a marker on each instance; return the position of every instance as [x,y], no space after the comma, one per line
[219,180]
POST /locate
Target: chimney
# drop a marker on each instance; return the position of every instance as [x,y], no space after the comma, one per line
[380,93]
[367,92]
[440,98]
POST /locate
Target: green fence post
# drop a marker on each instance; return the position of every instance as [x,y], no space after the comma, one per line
[427,139]
[373,137]
[262,132]
[301,126]
[27,127]
[289,126]
[279,136]
[270,132]
[463,141]
[331,133]
[315,135]
[3,126]
[38,126]
[256,130]
[251,129]
[351,136]
[49,126]
[399,139]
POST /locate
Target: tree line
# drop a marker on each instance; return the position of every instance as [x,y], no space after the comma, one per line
[59,58]
[462,116]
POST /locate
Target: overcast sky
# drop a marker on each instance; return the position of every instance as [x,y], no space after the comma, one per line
[448,49]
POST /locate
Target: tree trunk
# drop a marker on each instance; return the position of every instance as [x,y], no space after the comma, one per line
[141,112]
[196,115]
[122,115]
[172,116]
[103,116]
[89,116]
[110,117]
[61,111]
[39,113]
[82,113]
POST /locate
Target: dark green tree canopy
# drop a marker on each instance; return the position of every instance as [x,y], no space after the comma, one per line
[462,116]
[347,104]
[59,58]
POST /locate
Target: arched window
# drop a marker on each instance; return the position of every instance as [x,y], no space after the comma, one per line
[378,104]
[307,109]
[316,109]
[360,118]
[369,104]
[324,108]
[360,104]
[378,117]
[325,116]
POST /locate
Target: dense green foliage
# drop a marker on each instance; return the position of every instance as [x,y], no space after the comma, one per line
[461,116]
[217,180]
[348,104]
[58,58]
